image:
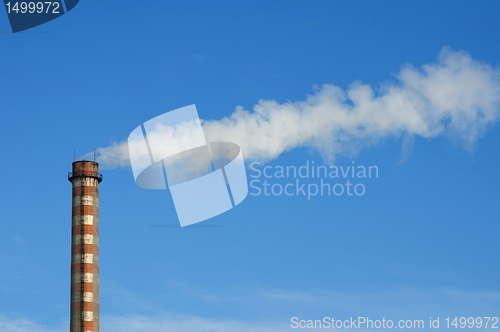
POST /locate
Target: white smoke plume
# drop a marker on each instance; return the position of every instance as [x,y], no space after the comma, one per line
[457,97]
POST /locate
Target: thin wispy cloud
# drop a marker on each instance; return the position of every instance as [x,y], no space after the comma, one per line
[24,325]
[398,301]
[457,97]
[184,323]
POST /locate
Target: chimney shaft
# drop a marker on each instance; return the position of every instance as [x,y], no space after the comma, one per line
[85,247]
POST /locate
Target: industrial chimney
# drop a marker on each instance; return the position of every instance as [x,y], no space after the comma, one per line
[85,247]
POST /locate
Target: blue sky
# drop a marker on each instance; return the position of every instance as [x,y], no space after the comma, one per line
[422,241]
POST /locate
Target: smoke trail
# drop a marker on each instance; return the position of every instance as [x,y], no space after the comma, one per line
[457,97]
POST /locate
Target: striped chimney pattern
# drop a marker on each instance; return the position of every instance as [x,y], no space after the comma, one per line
[85,247]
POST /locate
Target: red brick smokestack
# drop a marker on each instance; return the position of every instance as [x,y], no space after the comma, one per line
[85,247]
